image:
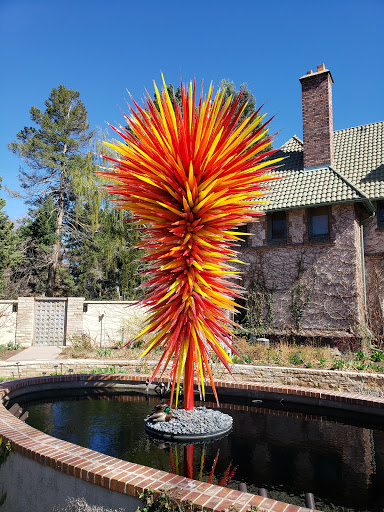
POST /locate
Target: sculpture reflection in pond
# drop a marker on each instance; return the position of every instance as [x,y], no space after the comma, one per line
[185,466]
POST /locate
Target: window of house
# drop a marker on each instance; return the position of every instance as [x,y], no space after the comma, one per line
[319,221]
[277,226]
[380,214]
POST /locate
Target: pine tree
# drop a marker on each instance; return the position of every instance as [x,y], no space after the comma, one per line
[105,265]
[35,237]
[55,152]
[9,255]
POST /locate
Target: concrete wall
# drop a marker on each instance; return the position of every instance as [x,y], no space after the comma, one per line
[7,322]
[328,286]
[30,486]
[106,322]
[111,323]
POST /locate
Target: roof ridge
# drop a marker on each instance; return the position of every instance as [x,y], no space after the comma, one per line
[358,126]
[338,173]
[354,187]
[293,137]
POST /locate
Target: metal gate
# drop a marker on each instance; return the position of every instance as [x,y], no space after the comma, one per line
[50,321]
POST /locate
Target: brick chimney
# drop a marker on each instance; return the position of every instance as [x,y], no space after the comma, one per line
[317,117]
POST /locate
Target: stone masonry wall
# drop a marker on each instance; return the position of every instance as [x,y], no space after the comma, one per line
[325,277]
[25,320]
[374,272]
[75,322]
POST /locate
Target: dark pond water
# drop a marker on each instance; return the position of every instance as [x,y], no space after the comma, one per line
[281,447]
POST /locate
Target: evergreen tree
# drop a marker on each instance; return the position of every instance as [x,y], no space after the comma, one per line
[105,265]
[230,91]
[35,239]
[9,255]
[55,152]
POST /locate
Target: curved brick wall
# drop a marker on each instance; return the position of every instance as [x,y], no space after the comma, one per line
[131,479]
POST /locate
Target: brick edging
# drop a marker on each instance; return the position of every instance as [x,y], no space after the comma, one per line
[130,478]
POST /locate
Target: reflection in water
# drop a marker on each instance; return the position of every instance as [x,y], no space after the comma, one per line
[175,451]
[281,447]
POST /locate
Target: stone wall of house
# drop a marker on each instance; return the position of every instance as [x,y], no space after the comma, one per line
[325,279]
[374,272]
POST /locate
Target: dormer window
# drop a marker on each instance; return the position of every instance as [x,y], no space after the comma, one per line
[277,227]
[380,214]
[319,222]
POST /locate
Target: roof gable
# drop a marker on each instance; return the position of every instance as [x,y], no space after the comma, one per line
[357,174]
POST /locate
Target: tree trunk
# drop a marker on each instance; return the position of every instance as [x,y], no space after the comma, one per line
[57,247]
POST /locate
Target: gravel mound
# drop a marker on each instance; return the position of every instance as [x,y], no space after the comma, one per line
[198,421]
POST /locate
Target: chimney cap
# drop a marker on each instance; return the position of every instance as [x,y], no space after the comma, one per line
[320,69]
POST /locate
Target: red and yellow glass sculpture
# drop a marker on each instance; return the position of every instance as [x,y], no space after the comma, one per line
[191,174]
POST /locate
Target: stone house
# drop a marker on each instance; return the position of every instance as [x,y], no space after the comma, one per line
[316,260]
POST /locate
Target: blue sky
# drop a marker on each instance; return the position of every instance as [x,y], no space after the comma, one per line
[103,48]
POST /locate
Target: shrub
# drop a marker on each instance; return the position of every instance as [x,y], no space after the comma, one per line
[81,342]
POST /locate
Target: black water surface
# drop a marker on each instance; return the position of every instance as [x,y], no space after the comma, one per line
[287,449]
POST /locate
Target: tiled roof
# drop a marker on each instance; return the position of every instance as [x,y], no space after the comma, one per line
[357,173]
[359,156]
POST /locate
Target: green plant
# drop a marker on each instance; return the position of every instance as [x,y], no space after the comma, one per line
[11,345]
[360,355]
[322,362]
[244,359]
[104,352]
[111,369]
[359,365]
[5,450]
[376,367]
[309,365]
[296,359]
[338,364]
[164,501]
[377,355]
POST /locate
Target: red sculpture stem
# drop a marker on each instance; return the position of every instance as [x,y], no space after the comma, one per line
[188,461]
[188,379]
